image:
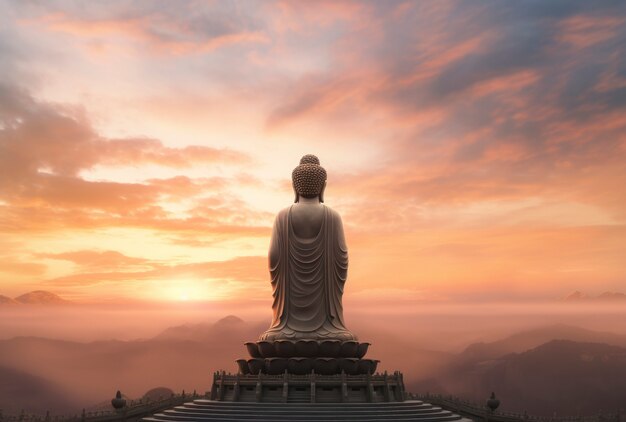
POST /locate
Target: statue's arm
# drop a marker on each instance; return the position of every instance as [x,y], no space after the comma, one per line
[341,238]
[274,251]
[341,251]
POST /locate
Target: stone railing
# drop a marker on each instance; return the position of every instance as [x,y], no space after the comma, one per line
[480,412]
[134,410]
[137,409]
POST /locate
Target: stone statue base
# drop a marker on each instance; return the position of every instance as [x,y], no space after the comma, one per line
[303,366]
[309,388]
[311,397]
[301,357]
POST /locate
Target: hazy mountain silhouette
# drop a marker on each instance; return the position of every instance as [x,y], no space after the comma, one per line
[20,387]
[180,358]
[398,351]
[5,300]
[578,296]
[184,357]
[567,377]
[209,332]
[559,368]
[530,339]
[36,297]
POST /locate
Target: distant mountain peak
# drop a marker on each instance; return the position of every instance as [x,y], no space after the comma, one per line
[578,296]
[612,296]
[229,319]
[41,297]
[532,338]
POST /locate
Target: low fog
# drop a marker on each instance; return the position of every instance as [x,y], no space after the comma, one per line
[71,357]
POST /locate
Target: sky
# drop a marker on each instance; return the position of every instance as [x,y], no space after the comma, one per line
[476,150]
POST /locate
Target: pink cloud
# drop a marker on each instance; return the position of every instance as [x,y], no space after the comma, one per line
[160,34]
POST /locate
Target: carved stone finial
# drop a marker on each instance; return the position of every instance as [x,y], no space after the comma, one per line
[493,402]
[118,402]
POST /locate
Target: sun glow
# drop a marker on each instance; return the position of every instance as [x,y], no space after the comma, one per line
[184,290]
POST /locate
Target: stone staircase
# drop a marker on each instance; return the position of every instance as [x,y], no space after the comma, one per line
[210,410]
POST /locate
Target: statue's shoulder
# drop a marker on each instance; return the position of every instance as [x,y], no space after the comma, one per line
[283,213]
[334,214]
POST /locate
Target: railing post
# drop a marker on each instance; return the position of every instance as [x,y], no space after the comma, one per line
[214,387]
[236,387]
[344,387]
[313,399]
[259,387]
[387,392]
[285,386]
[221,395]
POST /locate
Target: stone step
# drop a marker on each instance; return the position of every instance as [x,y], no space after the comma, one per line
[433,410]
[422,408]
[208,410]
[416,409]
[206,402]
[301,417]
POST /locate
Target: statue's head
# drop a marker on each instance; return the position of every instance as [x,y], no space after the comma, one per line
[309,178]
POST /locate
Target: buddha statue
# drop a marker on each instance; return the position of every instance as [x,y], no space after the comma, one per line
[308,262]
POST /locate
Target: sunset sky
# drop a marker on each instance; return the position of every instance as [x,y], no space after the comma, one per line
[476,150]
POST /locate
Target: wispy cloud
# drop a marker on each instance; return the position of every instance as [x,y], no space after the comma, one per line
[489,135]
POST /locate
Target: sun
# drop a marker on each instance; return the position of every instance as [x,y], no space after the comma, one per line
[183,290]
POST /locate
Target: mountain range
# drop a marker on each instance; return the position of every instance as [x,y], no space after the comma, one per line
[559,368]
[561,376]
[578,296]
[556,368]
[180,358]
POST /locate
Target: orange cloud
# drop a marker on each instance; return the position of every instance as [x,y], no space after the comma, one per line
[44,147]
[241,269]
[471,149]
[14,267]
[97,259]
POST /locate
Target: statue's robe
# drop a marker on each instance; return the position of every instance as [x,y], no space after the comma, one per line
[308,276]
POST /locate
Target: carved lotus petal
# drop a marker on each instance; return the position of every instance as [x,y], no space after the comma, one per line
[285,348]
[326,366]
[300,366]
[253,349]
[349,365]
[266,349]
[256,365]
[306,348]
[367,366]
[275,366]
[349,349]
[243,366]
[330,348]
[362,349]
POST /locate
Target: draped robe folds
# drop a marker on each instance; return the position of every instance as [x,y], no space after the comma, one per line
[308,276]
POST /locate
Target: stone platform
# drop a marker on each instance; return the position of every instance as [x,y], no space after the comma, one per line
[211,410]
[311,397]
[309,388]
[300,357]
